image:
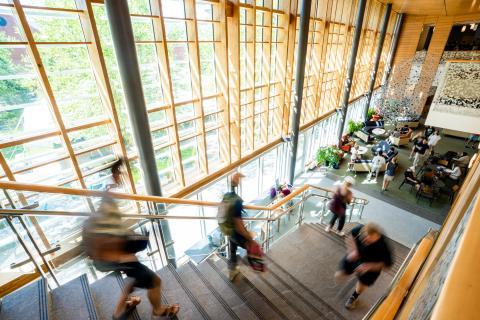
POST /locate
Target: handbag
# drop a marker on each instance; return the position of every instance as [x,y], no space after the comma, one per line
[136,243]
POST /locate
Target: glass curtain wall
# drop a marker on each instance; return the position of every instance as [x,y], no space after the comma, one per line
[212,99]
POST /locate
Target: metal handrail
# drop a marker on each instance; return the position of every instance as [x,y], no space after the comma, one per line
[18,186]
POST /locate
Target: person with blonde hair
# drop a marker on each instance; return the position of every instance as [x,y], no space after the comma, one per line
[367,255]
[338,205]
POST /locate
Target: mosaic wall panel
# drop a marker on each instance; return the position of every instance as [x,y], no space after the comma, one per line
[425,304]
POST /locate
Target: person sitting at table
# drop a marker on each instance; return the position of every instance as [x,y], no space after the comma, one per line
[455,173]
[347,143]
[462,161]
[428,177]
[404,129]
[472,139]
[355,155]
[395,133]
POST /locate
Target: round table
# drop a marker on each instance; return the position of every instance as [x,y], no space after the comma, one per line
[362,150]
[378,131]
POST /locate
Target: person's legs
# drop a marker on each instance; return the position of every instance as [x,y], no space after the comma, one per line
[377,172]
[332,222]
[232,254]
[236,240]
[365,280]
[123,299]
[416,159]
[341,223]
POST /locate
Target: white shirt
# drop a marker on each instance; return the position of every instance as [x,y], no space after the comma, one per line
[455,173]
[378,161]
[355,154]
[433,140]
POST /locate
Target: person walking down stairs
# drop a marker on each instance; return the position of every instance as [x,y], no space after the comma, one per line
[112,247]
[338,205]
[231,224]
[368,254]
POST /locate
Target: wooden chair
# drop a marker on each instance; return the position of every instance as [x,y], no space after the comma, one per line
[427,192]
[409,181]
[453,193]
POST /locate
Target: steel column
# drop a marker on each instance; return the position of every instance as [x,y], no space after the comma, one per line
[351,67]
[123,40]
[393,48]
[299,79]
[378,54]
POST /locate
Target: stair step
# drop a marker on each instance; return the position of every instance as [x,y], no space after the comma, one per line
[106,293]
[253,295]
[190,308]
[397,258]
[30,302]
[309,298]
[73,301]
[230,293]
[215,306]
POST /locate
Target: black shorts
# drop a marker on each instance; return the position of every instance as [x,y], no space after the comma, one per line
[143,276]
[367,278]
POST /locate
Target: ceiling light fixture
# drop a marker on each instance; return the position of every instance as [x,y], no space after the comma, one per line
[464,28]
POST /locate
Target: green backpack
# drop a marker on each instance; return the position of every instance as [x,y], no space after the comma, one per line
[226,213]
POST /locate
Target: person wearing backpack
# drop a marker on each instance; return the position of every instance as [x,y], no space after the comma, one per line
[231,223]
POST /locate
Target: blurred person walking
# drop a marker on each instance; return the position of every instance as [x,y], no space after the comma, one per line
[389,173]
[111,245]
[367,255]
[338,205]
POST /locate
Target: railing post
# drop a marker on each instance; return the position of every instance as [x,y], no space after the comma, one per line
[351,212]
[300,210]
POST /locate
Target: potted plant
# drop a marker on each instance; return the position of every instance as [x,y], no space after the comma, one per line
[329,156]
[354,126]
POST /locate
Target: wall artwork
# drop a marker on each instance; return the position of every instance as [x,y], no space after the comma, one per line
[456,105]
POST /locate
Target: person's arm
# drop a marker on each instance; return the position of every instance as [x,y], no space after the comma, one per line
[370,266]
[352,250]
[240,228]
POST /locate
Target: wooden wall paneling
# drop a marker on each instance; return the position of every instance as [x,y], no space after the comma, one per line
[281,68]
[45,83]
[233,45]
[89,26]
[266,66]
[196,73]
[166,79]
[222,75]
[251,58]
[290,66]
[443,26]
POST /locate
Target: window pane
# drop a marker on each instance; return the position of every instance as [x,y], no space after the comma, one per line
[211,120]
[10,30]
[165,166]
[173,8]
[188,150]
[250,182]
[33,153]
[157,119]
[68,4]
[55,26]
[268,174]
[142,29]
[176,30]
[160,136]
[139,6]
[73,83]
[22,107]
[97,158]
[207,64]
[213,149]
[210,105]
[186,128]
[89,137]
[150,73]
[184,112]
[205,31]
[204,11]
[180,71]
[52,174]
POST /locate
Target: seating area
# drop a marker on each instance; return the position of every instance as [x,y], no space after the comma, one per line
[429,185]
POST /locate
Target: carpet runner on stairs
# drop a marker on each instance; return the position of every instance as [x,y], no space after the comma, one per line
[298,284]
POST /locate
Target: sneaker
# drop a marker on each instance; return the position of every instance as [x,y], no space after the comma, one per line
[233,274]
[341,233]
[351,303]
[328,228]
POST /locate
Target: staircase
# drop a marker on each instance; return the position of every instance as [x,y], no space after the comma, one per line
[298,285]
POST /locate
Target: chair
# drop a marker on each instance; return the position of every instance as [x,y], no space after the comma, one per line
[427,192]
[442,162]
[408,180]
[404,139]
[453,193]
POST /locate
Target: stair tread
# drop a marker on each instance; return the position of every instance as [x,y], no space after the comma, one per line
[254,296]
[105,293]
[174,293]
[229,292]
[73,301]
[29,302]
[213,303]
